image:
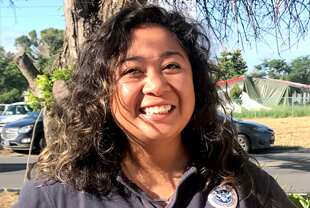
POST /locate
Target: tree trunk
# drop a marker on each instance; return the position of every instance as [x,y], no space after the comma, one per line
[29,71]
[82,19]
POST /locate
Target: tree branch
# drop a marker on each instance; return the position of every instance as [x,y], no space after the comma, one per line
[29,71]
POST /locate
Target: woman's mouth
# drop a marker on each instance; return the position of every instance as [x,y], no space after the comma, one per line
[156,112]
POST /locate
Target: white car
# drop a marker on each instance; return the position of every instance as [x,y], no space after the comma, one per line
[13,112]
[3,107]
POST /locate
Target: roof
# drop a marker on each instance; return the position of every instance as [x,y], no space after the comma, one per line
[235,80]
[291,84]
[17,103]
[231,81]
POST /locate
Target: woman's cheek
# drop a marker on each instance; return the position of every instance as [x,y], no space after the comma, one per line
[128,93]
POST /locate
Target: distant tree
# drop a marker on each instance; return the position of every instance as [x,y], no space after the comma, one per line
[53,38]
[42,50]
[12,82]
[300,70]
[235,93]
[257,73]
[231,64]
[23,42]
[274,68]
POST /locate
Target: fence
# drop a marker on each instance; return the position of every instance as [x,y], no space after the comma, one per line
[247,108]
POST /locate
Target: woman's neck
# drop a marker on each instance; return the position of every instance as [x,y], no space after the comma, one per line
[156,169]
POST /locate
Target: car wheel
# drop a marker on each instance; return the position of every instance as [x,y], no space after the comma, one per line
[244,142]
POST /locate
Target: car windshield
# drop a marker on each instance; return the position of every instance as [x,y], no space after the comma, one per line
[16,110]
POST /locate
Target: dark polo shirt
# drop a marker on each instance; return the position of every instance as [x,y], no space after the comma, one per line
[265,193]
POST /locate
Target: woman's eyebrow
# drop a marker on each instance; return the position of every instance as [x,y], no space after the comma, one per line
[164,54]
[171,53]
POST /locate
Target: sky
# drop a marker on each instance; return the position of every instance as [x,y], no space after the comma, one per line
[27,15]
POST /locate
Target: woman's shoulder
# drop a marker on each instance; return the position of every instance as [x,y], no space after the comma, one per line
[33,194]
[48,193]
[52,194]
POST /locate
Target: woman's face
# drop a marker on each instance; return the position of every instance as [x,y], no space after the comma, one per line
[154,97]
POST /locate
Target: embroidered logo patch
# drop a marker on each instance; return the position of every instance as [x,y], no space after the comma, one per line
[223,197]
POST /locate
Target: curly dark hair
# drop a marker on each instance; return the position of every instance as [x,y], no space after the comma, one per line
[90,148]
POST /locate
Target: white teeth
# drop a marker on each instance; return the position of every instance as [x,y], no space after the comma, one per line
[157,109]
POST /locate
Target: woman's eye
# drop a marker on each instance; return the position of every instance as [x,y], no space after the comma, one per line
[132,72]
[172,66]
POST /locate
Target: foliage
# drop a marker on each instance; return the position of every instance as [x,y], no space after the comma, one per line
[300,201]
[45,85]
[53,38]
[257,73]
[12,82]
[42,50]
[23,42]
[297,71]
[33,101]
[11,96]
[276,112]
[274,68]
[300,70]
[235,92]
[231,64]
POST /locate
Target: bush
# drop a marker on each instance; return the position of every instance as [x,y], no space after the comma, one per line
[300,201]
[45,85]
[235,92]
[10,96]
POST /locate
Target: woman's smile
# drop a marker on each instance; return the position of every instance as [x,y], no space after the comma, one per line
[156,112]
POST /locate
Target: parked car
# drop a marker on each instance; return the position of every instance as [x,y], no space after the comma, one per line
[253,136]
[17,135]
[13,112]
[3,107]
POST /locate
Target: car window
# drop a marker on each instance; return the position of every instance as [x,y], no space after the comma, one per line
[11,110]
[16,110]
[2,108]
[21,110]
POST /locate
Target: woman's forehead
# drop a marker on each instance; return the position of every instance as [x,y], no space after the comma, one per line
[153,40]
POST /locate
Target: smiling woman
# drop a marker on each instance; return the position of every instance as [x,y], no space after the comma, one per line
[140,126]
[154,88]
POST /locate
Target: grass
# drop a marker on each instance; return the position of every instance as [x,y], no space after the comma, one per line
[276,112]
[301,201]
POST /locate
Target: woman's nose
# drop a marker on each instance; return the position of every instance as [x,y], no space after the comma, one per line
[155,84]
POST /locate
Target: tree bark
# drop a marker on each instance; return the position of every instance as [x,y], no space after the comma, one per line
[82,19]
[29,71]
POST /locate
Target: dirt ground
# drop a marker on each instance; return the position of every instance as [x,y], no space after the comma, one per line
[289,132]
[7,199]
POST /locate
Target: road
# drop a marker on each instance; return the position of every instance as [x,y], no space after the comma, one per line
[12,170]
[291,169]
